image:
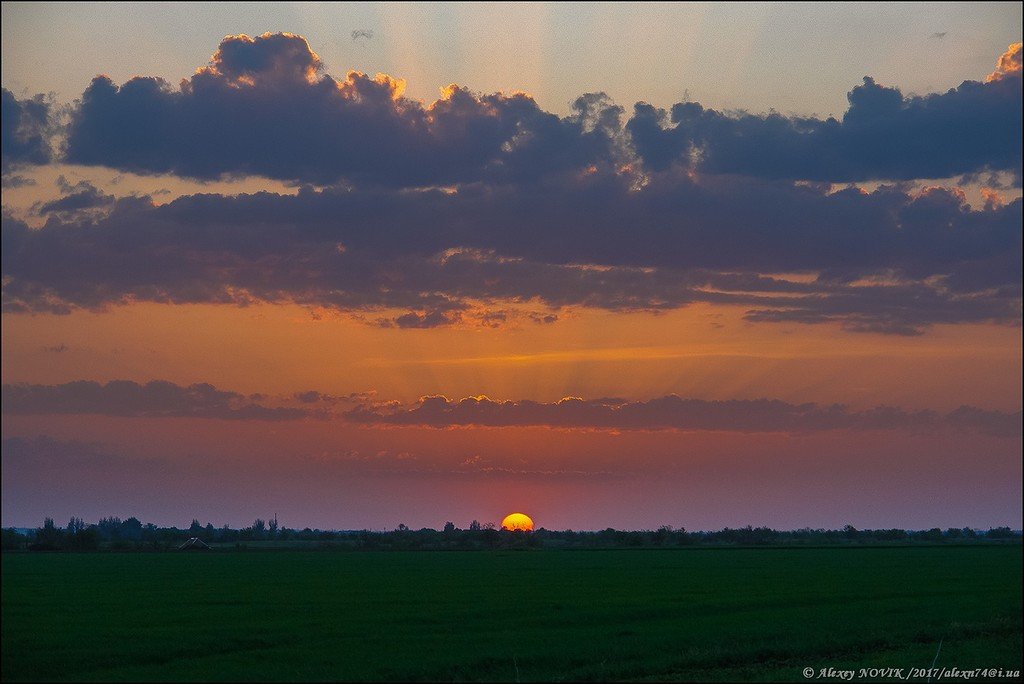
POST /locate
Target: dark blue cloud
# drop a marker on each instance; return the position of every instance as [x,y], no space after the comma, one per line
[264,107]
[591,241]
[76,198]
[26,128]
[884,135]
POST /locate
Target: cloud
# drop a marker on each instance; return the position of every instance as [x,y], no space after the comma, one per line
[25,131]
[124,398]
[263,106]
[15,181]
[161,399]
[484,210]
[675,413]
[1008,66]
[884,135]
[891,260]
[78,197]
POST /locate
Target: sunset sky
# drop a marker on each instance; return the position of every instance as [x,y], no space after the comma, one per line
[611,266]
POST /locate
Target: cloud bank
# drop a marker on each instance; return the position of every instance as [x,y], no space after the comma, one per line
[264,106]
[161,399]
[484,209]
[124,398]
[889,261]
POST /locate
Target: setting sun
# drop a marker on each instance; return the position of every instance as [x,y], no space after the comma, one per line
[517,522]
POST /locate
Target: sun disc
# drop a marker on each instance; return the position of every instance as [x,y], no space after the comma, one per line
[517,522]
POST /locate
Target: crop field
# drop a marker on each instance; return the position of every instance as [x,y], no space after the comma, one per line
[688,614]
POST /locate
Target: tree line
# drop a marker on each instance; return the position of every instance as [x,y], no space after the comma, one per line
[115,534]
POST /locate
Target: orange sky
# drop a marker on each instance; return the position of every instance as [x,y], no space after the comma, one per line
[701,351]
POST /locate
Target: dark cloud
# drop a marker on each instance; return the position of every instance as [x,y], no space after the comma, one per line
[884,135]
[675,413]
[160,399]
[538,213]
[592,241]
[156,399]
[15,181]
[26,129]
[264,107]
[76,197]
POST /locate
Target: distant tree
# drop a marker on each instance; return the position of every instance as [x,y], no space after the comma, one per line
[131,529]
[48,537]
[1000,533]
[109,528]
[449,527]
[195,529]
[75,525]
[273,527]
[402,527]
[474,526]
[12,539]
[85,539]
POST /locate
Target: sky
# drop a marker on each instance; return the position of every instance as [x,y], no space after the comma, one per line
[698,265]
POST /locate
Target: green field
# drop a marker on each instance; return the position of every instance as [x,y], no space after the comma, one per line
[704,614]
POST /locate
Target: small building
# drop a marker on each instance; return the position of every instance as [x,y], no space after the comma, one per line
[195,544]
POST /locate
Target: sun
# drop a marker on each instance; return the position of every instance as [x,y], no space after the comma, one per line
[517,522]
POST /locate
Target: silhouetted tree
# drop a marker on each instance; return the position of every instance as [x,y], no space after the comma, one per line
[13,540]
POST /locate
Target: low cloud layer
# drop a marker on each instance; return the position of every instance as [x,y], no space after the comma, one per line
[156,399]
[888,261]
[675,413]
[161,399]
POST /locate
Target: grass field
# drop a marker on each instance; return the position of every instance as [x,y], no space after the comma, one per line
[705,614]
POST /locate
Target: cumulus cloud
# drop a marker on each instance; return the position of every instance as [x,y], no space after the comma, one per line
[675,413]
[124,398]
[263,106]
[486,210]
[1009,64]
[26,129]
[883,134]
